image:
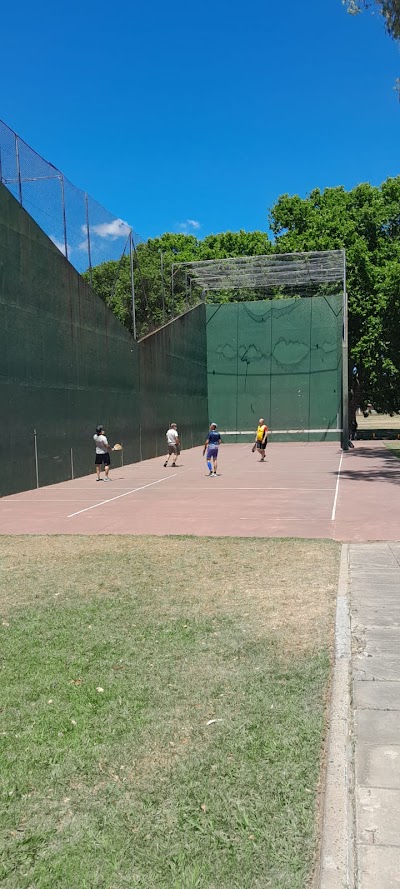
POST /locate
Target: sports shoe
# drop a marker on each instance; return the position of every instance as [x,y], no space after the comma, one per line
[209,474]
[166,464]
[108,479]
[99,479]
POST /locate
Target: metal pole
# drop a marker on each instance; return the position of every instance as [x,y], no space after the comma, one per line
[18,169]
[1,174]
[132,286]
[345,361]
[64,215]
[122,453]
[173,289]
[162,284]
[36,457]
[72,464]
[88,237]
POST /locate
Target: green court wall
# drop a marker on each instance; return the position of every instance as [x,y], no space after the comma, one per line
[173,382]
[67,364]
[278,359]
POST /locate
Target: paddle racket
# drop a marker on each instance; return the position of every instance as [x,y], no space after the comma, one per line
[117,447]
[253,448]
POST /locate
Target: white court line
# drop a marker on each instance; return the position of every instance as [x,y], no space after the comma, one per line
[267,488]
[118,497]
[336,490]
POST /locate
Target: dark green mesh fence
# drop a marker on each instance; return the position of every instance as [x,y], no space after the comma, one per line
[67,364]
[279,359]
[173,382]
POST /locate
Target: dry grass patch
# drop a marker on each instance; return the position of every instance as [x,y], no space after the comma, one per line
[284,586]
[163,710]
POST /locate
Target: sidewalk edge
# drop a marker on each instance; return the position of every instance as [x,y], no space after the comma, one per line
[337,865]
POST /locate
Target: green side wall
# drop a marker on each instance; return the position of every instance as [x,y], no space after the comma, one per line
[280,359]
[67,364]
[173,382]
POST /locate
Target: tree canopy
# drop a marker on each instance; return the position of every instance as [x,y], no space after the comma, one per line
[389,9]
[364,221]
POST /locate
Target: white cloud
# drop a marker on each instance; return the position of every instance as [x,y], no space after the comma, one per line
[189,224]
[111,230]
[60,245]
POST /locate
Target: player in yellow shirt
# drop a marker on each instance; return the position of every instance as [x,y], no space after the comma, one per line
[261,439]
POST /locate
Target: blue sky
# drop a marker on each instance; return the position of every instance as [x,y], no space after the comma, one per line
[205,112]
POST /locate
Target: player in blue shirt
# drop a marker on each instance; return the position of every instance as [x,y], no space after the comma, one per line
[211,445]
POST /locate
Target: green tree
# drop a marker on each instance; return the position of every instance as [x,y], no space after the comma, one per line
[366,222]
[156,300]
[389,9]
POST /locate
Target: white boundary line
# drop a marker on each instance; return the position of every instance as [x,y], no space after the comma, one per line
[336,489]
[280,432]
[118,497]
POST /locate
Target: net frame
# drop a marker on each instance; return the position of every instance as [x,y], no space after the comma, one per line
[301,274]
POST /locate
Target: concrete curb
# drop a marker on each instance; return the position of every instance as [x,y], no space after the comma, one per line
[337,864]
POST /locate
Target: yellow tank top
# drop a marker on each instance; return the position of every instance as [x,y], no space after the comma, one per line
[261,430]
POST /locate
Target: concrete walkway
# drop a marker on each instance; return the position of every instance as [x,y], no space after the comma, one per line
[360,844]
[374,575]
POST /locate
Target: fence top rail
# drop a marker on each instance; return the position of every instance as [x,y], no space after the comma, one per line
[325,266]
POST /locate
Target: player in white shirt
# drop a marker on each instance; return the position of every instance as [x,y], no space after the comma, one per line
[103,451]
[174,445]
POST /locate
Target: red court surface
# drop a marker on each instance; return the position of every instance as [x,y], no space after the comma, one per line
[302,490]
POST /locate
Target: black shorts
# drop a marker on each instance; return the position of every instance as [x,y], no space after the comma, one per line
[102,458]
[261,446]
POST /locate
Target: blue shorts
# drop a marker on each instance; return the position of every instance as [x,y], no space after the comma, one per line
[212,451]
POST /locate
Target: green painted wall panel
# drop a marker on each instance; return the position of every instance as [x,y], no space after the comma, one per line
[66,363]
[280,359]
[173,383]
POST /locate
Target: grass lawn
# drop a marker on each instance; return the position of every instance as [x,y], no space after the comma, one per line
[162,710]
[394,447]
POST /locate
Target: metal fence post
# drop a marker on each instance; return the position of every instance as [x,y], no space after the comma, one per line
[162,284]
[88,237]
[64,215]
[132,285]
[345,360]
[72,464]
[173,288]
[36,457]
[18,169]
